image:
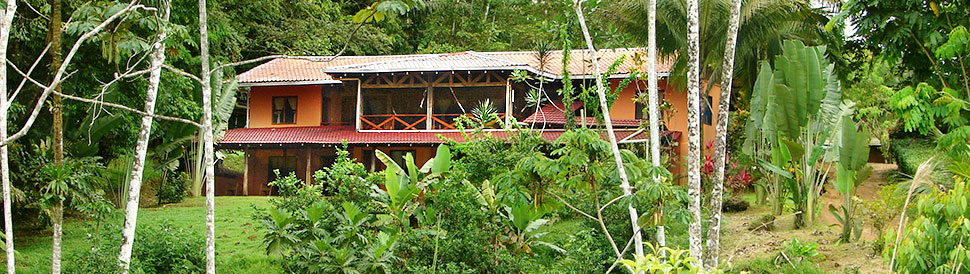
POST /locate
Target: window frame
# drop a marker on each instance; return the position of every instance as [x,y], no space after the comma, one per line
[282,120]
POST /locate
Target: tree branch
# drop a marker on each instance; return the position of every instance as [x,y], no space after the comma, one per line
[59,75]
[181,72]
[99,102]
[29,71]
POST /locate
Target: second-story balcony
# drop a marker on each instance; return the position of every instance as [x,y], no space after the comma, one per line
[387,108]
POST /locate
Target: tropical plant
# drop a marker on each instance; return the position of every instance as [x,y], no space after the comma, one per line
[793,110]
[664,260]
[935,240]
[346,179]
[525,220]
[403,186]
[763,27]
[851,171]
[797,251]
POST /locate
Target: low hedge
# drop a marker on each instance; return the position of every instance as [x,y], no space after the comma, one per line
[910,153]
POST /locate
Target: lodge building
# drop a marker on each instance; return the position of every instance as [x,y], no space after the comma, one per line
[299,109]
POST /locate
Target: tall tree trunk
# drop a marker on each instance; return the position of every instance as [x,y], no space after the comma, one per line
[210,225]
[694,131]
[605,108]
[141,148]
[654,104]
[57,108]
[720,139]
[5,25]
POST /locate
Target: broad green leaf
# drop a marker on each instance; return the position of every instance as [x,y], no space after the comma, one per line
[442,160]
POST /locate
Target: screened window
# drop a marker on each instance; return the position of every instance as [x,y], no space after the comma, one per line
[284,110]
[707,116]
[641,113]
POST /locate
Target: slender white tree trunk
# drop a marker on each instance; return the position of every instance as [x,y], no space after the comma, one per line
[5,25]
[694,131]
[605,108]
[210,226]
[141,148]
[720,139]
[654,103]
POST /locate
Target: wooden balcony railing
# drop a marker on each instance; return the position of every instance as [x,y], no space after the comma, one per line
[393,121]
[413,121]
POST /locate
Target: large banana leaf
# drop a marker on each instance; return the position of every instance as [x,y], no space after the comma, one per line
[854,150]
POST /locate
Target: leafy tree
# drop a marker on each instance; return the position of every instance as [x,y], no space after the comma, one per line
[933,242]
[908,33]
[764,26]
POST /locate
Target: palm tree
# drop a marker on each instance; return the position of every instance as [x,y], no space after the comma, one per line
[763,26]
[57,113]
[694,132]
[720,140]
[654,101]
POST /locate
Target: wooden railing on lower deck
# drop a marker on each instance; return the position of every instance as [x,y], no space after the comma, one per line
[413,121]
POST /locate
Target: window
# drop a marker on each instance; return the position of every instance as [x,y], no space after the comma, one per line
[707,116]
[284,110]
[368,159]
[285,164]
[327,160]
[640,112]
[398,156]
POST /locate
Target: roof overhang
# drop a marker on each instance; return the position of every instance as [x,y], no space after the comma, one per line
[290,83]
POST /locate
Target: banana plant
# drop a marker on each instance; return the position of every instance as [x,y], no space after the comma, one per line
[525,220]
[794,106]
[850,172]
[402,186]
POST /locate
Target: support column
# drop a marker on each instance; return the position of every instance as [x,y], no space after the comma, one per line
[360,107]
[508,101]
[245,186]
[309,172]
[429,123]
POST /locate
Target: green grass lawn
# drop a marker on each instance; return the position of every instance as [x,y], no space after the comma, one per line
[238,242]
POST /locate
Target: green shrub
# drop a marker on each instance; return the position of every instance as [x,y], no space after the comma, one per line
[172,189]
[164,248]
[767,266]
[346,179]
[467,241]
[103,260]
[935,241]
[295,195]
[160,248]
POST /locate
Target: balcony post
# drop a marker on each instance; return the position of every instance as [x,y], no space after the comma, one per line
[359,108]
[429,123]
[508,101]
[245,182]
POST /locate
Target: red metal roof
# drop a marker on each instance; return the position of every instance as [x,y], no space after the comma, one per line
[467,60]
[340,134]
[289,70]
[552,114]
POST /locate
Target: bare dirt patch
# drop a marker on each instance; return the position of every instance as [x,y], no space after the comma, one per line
[740,244]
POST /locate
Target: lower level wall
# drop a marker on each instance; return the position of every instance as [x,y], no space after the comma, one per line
[256,178]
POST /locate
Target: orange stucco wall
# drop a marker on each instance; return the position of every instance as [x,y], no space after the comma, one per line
[678,121]
[308,108]
[625,108]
